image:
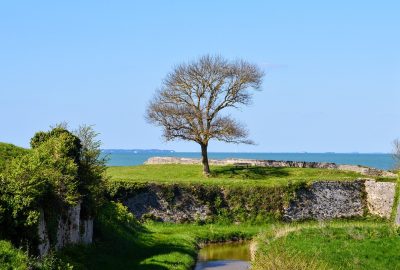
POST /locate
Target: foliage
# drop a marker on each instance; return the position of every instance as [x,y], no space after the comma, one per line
[8,152]
[92,169]
[49,262]
[122,243]
[45,176]
[74,144]
[60,171]
[189,104]
[12,258]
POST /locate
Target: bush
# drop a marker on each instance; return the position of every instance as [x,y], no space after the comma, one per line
[60,171]
[12,258]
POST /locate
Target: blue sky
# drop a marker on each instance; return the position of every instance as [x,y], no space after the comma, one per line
[332,68]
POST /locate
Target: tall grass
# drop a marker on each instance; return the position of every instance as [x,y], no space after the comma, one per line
[330,245]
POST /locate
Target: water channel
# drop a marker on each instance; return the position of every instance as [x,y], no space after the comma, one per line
[224,256]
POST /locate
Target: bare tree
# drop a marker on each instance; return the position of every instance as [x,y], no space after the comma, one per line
[189,103]
[396,153]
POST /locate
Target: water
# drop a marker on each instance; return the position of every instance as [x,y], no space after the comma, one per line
[380,161]
[225,256]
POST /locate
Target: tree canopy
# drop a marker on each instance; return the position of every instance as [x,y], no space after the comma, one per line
[62,169]
[189,104]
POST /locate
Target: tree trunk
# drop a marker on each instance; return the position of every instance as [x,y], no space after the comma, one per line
[204,160]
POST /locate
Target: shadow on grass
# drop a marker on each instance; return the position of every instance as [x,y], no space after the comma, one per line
[122,243]
[252,173]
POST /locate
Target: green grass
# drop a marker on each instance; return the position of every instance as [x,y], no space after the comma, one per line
[8,152]
[226,175]
[123,243]
[333,245]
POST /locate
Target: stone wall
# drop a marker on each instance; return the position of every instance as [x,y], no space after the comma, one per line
[274,164]
[71,229]
[327,200]
[380,197]
[321,200]
[157,204]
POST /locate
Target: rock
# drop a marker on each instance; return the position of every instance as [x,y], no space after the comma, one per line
[397,218]
[380,197]
[181,206]
[327,200]
[44,245]
[71,229]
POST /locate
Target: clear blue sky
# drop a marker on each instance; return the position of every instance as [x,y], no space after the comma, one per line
[332,68]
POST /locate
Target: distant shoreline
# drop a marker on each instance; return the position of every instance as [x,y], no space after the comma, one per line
[381,161]
[222,152]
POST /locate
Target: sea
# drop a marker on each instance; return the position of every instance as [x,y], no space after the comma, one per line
[382,161]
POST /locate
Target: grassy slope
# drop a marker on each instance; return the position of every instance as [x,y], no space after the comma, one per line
[334,245]
[122,243]
[8,152]
[226,175]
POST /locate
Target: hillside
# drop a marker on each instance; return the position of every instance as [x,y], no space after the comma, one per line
[8,152]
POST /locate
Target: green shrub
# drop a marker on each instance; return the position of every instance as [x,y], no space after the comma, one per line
[61,170]
[12,258]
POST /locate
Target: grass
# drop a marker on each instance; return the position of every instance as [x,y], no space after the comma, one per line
[123,243]
[226,175]
[331,245]
[8,152]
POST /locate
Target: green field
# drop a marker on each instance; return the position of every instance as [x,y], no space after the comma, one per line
[330,245]
[226,175]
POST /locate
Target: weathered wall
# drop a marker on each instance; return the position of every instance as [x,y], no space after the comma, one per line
[274,163]
[44,245]
[320,200]
[71,229]
[380,197]
[397,217]
[183,203]
[327,200]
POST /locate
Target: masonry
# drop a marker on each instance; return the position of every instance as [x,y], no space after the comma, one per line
[320,200]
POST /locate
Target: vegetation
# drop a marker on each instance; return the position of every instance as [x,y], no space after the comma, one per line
[61,170]
[12,258]
[227,175]
[330,245]
[254,194]
[123,243]
[189,104]
[8,152]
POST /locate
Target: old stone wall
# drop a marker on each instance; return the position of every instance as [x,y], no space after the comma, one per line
[321,200]
[176,205]
[327,200]
[380,197]
[71,229]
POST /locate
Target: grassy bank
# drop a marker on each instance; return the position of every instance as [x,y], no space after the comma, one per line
[332,245]
[226,175]
[123,243]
